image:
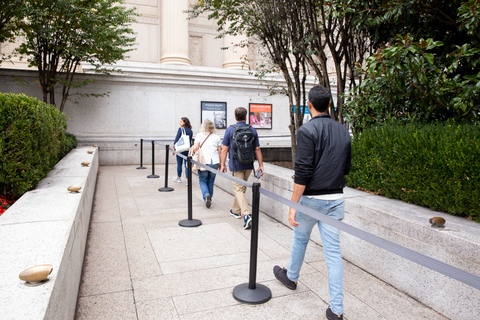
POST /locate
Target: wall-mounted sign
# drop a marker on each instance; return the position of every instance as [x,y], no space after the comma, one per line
[215,111]
[260,116]
[306,115]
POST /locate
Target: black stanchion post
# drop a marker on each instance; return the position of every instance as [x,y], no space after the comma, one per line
[252,292]
[166,188]
[141,155]
[153,175]
[190,222]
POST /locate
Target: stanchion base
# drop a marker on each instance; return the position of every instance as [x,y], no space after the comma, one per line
[259,295]
[153,176]
[165,189]
[141,168]
[190,223]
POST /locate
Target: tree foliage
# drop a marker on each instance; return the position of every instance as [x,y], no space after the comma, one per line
[346,43]
[298,36]
[59,34]
[421,74]
[11,12]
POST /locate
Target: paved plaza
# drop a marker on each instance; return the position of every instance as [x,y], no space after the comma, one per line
[140,264]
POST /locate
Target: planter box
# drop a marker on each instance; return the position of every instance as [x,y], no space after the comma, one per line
[48,225]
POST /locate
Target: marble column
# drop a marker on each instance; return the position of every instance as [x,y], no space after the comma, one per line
[175,32]
[234,56]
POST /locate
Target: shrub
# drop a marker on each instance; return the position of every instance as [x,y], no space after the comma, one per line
[407,80]
[32,138]
[434,165]
[69,144]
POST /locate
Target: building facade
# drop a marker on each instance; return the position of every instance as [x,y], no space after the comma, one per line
[177,64]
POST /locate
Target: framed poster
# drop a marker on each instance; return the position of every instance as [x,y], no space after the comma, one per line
[215,111]
[306,115]
[260,115]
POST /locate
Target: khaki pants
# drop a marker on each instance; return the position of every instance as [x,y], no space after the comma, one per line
[240,204]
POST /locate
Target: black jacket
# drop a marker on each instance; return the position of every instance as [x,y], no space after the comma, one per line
[323,157]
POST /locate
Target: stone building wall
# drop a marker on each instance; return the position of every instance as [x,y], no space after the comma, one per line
[177,64]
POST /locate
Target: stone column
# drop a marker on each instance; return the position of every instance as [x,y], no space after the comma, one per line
[175,32]
[234,56]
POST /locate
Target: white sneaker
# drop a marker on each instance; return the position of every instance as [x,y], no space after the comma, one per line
[177,179]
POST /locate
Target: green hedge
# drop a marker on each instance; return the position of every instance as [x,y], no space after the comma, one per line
[434,165]
[70,143]
[32,139]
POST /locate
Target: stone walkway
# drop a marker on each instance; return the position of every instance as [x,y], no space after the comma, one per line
[140,264]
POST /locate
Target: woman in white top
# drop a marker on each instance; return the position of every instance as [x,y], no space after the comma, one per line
[210,143]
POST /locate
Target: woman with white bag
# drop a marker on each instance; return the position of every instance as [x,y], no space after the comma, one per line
[210,144]
[182,143]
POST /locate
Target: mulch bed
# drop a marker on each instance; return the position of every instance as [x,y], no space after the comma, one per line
[284,164]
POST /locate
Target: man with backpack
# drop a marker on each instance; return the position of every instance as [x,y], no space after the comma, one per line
[242,141]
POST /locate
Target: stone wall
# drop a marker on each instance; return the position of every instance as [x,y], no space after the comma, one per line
[406,224]
[48,225]
[148,100]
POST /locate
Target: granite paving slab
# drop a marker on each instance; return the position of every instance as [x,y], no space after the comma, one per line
[146,266]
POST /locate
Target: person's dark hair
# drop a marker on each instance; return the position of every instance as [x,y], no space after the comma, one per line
[186,123]
[240,114]
[320,98]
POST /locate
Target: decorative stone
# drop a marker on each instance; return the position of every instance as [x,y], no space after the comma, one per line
[90,151]
[36,273]
[85,163]
[437,222]
[74,188]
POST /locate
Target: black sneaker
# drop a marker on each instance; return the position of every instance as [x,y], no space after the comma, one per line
[281,275]
[333,316]
[208,202]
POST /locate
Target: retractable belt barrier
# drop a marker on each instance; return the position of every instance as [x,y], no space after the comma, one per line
[421,259]
[437,265]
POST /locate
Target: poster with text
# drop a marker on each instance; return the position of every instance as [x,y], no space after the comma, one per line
[215,111]
[260,116]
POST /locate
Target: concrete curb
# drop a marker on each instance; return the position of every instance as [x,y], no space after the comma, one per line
[48,225]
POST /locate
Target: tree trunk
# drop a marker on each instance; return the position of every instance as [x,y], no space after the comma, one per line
[293,141]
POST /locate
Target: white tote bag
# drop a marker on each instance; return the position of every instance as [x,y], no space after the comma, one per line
[183,144]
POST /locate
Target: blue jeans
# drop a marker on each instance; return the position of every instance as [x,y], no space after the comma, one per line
[206,180]
[180,161]
[331,246]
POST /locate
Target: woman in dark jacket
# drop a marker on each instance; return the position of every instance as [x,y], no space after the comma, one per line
[184,125]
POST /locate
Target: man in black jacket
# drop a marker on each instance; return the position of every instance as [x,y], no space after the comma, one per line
[322,161]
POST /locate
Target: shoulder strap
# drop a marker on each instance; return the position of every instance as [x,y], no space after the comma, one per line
[245,126]
[205,140]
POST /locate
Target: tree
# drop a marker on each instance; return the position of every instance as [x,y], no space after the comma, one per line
[279,27]
[314,28]
[331,26]
[11,13]
[60,34]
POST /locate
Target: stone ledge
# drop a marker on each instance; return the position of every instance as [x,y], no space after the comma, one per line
[406,224]
[48,225]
